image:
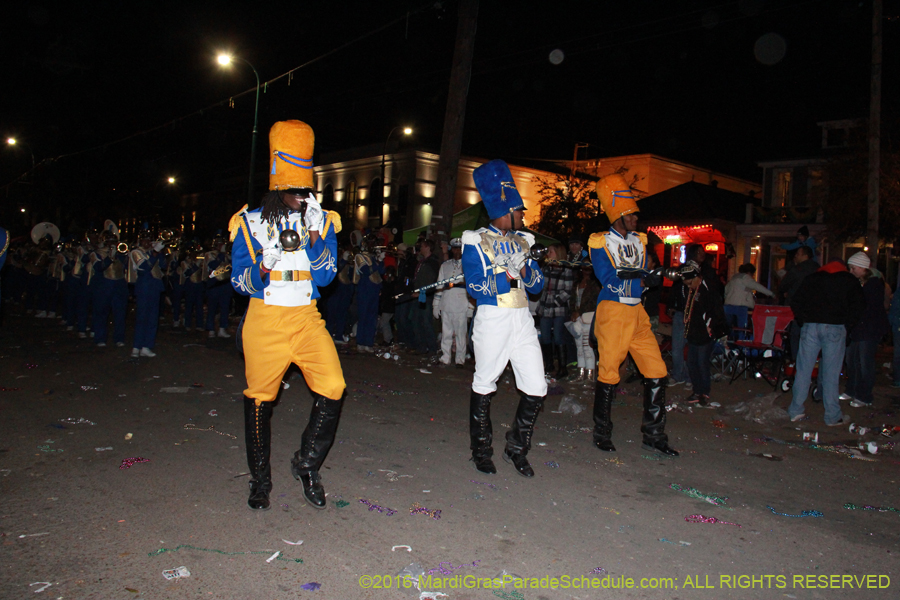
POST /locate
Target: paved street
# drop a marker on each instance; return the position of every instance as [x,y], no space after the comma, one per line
[74,518]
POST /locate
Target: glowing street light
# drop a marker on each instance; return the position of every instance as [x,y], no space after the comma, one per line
[13,141]
[171,180]
[406,131]
[225,60]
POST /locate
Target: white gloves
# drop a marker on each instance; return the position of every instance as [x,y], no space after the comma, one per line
[436,308]
[314,217]
[270,257]
[379,256]
[158,246]
[516,264]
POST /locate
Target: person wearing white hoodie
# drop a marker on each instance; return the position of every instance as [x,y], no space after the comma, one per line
[739,299]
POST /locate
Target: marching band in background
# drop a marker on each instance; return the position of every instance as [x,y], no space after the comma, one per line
[88,281]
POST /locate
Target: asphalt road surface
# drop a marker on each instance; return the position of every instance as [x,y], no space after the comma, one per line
[401,491]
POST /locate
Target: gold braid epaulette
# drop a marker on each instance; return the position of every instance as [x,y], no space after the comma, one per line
[597,241]
[237,222]
[332,218]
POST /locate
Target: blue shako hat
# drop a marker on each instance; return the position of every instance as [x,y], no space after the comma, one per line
[497,189]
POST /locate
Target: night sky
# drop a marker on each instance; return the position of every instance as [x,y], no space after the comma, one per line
[721,85]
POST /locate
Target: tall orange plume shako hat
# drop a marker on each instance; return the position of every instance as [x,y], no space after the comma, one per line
[616,198]
[291,149]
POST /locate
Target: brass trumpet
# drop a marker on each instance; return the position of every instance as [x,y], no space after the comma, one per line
[122,248]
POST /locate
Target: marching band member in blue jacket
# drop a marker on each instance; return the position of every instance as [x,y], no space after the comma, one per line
[498,273]
[282,325]
[621,325]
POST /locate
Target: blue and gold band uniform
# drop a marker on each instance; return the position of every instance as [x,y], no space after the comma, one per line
[282,324]
[503,330]
[621,325]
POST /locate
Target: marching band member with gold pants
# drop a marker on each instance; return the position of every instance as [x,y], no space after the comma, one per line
[282,325]
[622,326]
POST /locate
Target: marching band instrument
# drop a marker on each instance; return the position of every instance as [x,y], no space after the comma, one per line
[42,230]
[122,248]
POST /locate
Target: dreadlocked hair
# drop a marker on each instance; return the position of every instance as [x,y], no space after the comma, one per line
[273,207]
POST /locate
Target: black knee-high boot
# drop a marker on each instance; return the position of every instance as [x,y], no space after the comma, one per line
[481,432]
[603,398]
[561,372]
[518,439]
[258,438]
[547,354]
[314,446]
[654,421]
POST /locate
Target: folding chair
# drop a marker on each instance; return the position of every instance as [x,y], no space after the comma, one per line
[765,355]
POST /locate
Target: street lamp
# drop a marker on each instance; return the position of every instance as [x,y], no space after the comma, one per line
[225,60]
[13,142]
[406,131]
[171,180]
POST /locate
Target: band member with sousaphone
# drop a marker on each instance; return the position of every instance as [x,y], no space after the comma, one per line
[36,264]
[283,253]
[147,263]
[218,287]
[109,288]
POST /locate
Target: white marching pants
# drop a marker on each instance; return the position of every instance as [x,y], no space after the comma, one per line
[453,324]
[507,335]
[581,332]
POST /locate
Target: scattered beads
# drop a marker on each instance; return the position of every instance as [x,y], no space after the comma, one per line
[849,506]
[88,388]
[416,508]
[694,493]
[490,485]
[192,427]
[597,571]
[390,511]
[341,503]
[80,421]
[703,519]
[449,571]
[127,463]
[805,513]
[164,550]
[552,464]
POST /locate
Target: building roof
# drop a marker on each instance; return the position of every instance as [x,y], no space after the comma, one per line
[694,201]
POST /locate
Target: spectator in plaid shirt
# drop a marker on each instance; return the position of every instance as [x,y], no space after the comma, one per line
[553,309]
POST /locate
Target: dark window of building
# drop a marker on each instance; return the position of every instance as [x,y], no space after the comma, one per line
[376,201]
[328,197]
[351,202]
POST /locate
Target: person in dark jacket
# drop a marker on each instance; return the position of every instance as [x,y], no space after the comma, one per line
[677,298]
[803,266]
[704,323]
[426,273]
[828,305]
[865,336]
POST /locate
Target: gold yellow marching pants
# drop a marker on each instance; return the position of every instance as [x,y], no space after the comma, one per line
[276,336]
[620,329]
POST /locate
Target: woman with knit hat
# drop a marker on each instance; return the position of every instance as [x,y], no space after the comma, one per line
[864,337]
